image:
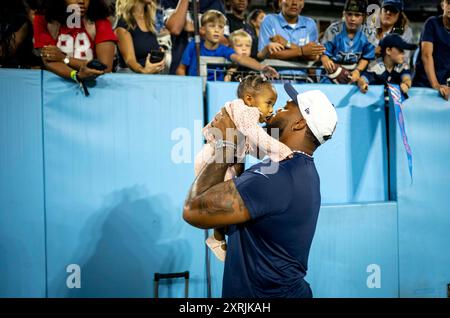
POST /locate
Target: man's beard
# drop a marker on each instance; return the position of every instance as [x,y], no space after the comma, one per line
[275,129]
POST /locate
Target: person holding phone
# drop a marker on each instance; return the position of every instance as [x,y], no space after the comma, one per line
[392,20]
[139,50]
[71,33]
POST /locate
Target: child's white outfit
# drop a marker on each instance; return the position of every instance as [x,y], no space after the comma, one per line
[246,119]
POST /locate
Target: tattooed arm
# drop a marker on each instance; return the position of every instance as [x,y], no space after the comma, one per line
[211,202]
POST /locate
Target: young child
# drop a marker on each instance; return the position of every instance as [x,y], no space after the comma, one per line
[212,29]
[391,67]
[348,45]
[255,104]
[241,42]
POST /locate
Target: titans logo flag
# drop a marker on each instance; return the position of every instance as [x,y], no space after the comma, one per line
[397,99]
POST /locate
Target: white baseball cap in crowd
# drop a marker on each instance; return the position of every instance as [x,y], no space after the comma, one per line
[318,111]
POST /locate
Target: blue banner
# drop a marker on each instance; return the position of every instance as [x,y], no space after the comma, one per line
[397,98]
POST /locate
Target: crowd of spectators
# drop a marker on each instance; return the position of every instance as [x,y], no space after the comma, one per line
[157,37]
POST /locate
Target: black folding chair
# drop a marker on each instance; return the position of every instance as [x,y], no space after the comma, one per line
[159,276]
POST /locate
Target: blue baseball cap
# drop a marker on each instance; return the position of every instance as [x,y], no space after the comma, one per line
[395,40]
[397,4]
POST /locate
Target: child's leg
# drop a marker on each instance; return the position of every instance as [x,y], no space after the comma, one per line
[219,234]
[216,243]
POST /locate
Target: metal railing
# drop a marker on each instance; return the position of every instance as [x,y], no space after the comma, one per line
[220,65]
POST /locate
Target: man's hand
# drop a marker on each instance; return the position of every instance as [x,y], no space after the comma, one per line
[223,121]
[279,39]
[274,47]
[311,49]
[52,53]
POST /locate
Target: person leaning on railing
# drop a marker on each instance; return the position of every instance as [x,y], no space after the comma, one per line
[67,46]
[433,65]
[241,42]
[212,29]
[178,20]
[296,33]
[347,44]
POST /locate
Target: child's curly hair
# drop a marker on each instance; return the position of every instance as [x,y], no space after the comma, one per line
[251,84]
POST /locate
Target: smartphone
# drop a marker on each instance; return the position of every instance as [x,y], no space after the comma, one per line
[156,56]
[96,65]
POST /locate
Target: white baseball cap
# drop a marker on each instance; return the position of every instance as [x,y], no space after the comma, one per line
[318,111]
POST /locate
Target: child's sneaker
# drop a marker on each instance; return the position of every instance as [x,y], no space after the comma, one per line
[216,247]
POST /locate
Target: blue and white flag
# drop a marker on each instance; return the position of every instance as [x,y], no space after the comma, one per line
[398,98]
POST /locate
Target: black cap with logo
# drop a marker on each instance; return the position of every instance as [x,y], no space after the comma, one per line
[356,6]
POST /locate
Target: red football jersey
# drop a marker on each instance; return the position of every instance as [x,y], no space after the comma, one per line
[75,42]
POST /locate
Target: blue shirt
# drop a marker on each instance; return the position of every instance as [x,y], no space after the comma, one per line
[189,59]
[343,50]
[268,256]
[180,42]
[303,32]
[434,31]
[300,34]
[377,73]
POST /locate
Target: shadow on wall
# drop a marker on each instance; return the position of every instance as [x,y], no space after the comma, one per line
[124,244]
[359,147]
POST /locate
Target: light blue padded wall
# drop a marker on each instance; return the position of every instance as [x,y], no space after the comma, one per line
[22,232]
[354,253]
[424,204]
[114,188]
[115,191]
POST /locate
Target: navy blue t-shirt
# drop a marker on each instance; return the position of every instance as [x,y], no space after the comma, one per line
[268,256]
[434,31]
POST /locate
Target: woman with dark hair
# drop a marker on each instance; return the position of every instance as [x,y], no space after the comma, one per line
[394,20]
[254,20]
[16,36]
[73,32]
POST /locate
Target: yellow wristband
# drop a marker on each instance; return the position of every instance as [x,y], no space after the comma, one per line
[73,75]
